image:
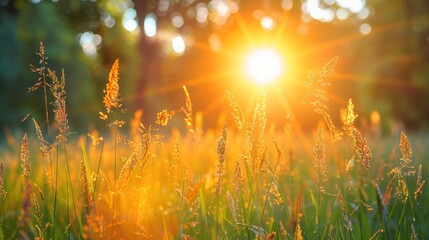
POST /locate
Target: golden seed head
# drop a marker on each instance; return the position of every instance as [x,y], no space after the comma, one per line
[405,147]
[25,215]
[350,114]
[25,163]
[221,142]
[237,178]
[111,93]
[231,205]
[331,234]
[419,190]
[271,236]
[420,184]
[402,189]
[188,111]
[348,118]
[298,233]
[164,116]
[84,181]
[221,147]
[59,94]
[237,113]
[362,149]
[2,182]
[319,161]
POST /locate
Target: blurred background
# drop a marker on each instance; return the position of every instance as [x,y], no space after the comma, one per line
[382,45]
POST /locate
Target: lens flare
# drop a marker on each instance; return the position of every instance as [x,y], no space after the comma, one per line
[263,65]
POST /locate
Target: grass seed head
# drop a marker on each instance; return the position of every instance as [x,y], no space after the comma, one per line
[405,147]
[164,116]
[188,111]
[2,181]
[319,156]
[24,218]
[59,93]
[40,70]
[255,133]
[237,113]
[402,189]
[111,93]
[25,163]
[85,185]
[331,234]
[45,147]
[388,192]
[271,236]
[316,95]
[298,233]
[237,178]
[283,231]
[362,149]
[231,205]
[221,148]
[221,142]
[348,118]
[419,191]
[420,184]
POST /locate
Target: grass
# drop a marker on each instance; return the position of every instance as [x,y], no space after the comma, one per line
[237,181]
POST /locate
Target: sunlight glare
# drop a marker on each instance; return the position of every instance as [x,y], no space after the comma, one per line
[263,65]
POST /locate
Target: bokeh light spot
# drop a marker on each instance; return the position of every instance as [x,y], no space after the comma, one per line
[149,25]
[178,45]
[287,4]
[354,6]
[130,24]
[268,23]
[177,20]
[342,14]
[365,28]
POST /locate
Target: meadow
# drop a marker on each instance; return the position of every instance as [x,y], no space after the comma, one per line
[241,180]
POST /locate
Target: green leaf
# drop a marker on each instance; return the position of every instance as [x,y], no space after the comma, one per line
[313,199]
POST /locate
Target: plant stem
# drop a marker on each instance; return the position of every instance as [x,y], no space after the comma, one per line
[114,186]
[99,162]
[55,197]
[269,187]
[45,96]
[71,187]
[319,201]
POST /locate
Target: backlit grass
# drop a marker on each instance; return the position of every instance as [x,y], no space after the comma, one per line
[240,180]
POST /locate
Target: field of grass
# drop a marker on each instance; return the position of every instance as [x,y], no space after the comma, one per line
[238,181]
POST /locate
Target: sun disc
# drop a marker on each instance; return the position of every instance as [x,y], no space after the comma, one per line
[263,65]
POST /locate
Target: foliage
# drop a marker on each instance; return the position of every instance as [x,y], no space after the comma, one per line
[24,24]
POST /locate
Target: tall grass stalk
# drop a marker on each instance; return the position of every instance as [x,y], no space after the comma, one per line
[99,161]
[42,81]
[113,223]
[321,174]
[55,195]
[279,154]
[221,148]
[197,201]
[2,193]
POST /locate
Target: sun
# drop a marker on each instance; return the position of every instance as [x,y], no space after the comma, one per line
[263,65]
